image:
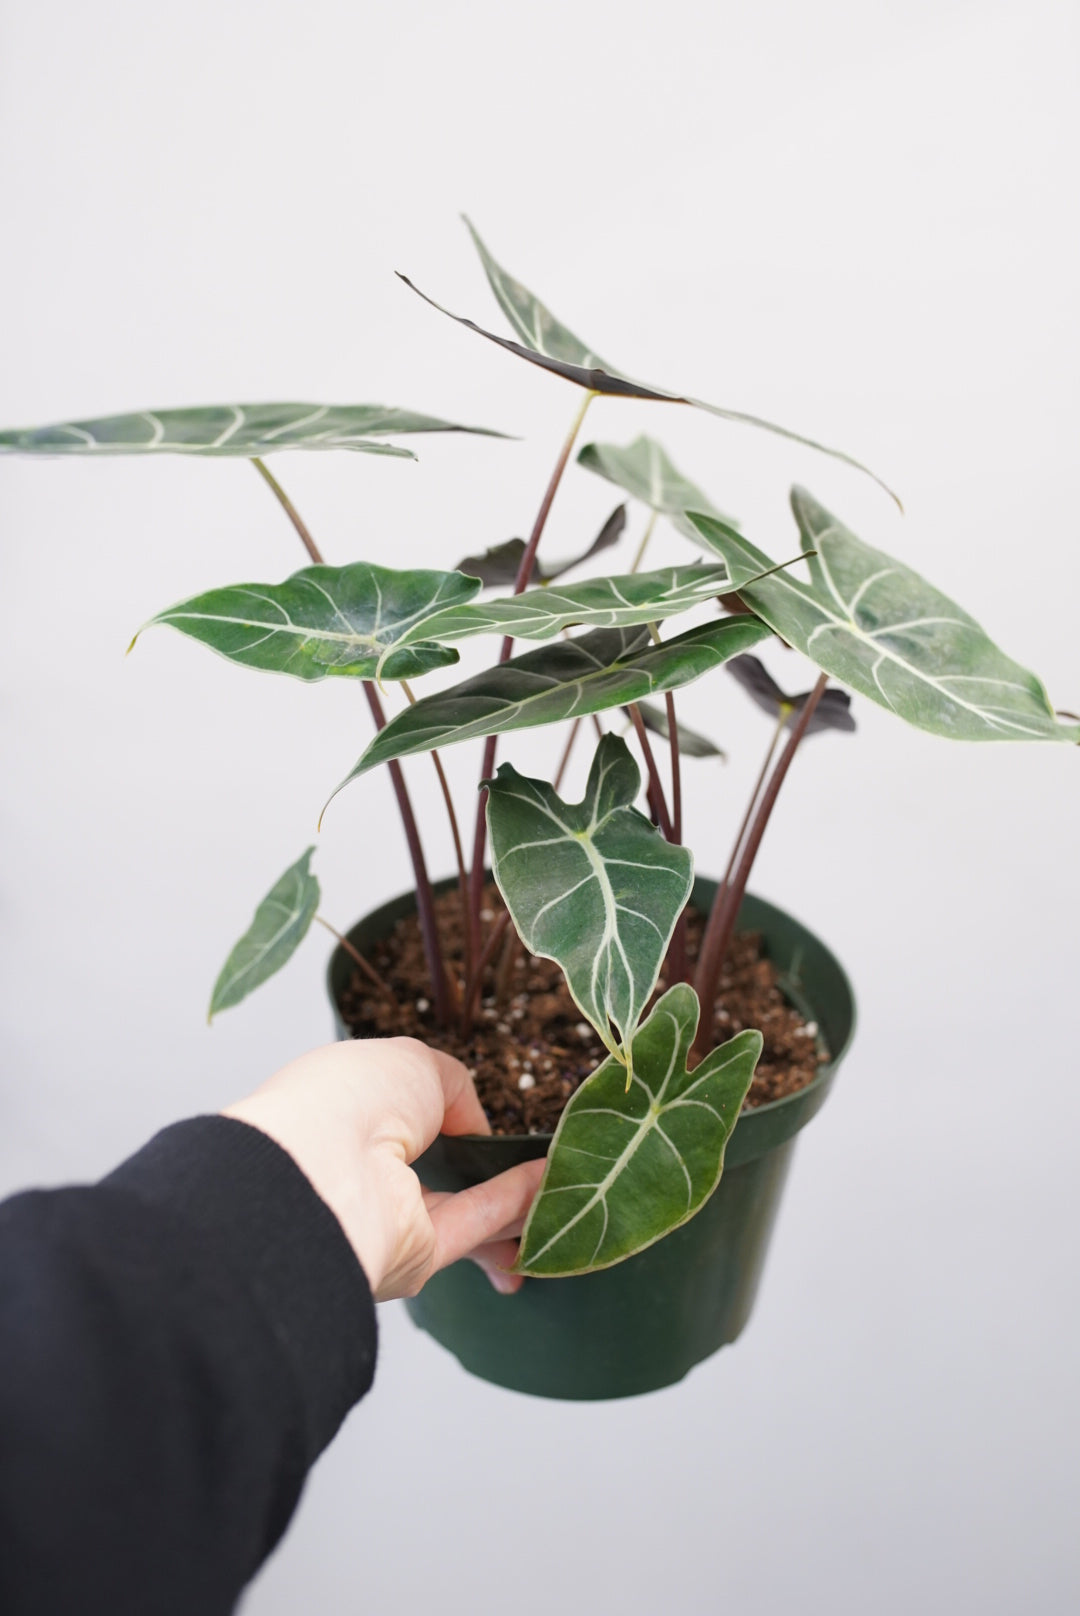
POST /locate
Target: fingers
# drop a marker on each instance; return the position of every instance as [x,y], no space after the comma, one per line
[487,1212]
[463,1111]
[495,1260]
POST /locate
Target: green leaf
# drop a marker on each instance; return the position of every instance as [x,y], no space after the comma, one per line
[591,885]
[280,925]
[540,614]
[233,429]
[870,621]
[546,342]
[833,710]
[326,620]
[691,744]
[565,679]
[502,562]
[644,471]
[624,1169]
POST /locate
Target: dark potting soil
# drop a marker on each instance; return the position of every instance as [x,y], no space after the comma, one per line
[529,1048]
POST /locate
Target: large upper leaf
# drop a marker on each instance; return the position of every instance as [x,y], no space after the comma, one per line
[501,563]
[870,621]
[281,923]
[540,614]
[326,620]
[546,342]
[233,429]
[833,710]
[643,469]
[591,884]
[565,679]
[624,1169]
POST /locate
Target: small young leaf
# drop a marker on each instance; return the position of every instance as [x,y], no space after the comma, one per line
[643,469]
[280,925]
[691,744]
[564,679]
[233,429]
[349,621]
[591,885]
[833,710]
[871,622]
[500,564]
[546,342]
[624,1169]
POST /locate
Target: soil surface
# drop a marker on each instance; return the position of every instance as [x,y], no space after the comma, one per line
[529,1048]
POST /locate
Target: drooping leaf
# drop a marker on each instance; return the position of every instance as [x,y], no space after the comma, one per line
[546,342]
[540,614]
[326,620]
[833,710]
[591,884]
[691,743]
[868,620]
[624,1169]
[644,470]
[564,679]
[500,564]
[280,925]
[233,429]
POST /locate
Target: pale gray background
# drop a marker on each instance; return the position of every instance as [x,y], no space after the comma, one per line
[857,219]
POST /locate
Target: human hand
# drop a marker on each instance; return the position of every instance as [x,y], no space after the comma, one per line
[353,1116]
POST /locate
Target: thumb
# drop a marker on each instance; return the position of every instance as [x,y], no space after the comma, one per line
[483,1213]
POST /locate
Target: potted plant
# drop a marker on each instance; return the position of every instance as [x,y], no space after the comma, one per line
[613,1007]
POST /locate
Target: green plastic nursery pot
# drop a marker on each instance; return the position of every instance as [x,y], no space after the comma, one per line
[644,1323]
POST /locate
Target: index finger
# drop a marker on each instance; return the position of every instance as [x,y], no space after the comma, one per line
[462,1111]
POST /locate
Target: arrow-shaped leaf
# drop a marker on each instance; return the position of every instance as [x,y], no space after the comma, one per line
[644,471]
[870,621]
[591,884]
[546,342]
[691,743]
[833,710]
[327,620]
[566,679]
[624,1169]
[280,925]
[540,614]
[233,429]
[501,563]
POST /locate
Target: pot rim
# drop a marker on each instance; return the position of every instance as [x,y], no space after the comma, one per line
[821,1079]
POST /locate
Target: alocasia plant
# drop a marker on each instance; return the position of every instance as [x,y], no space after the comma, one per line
[599,886]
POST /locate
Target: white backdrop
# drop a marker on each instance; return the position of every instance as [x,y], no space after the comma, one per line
[857,220]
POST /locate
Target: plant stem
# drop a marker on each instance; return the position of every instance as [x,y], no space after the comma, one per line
[441,987]
[656,790]
[721,926]
[472,991]
[289,508]
[354,953]
[524,573]
[785,714]
[470,942]
[644,545]
[569,747]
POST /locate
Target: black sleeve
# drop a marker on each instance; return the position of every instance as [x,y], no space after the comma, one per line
[177,1346]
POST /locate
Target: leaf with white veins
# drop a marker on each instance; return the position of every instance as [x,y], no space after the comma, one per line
[873,623]
[833,710]
[540,614]
[280,925]
[591,885]
[625,1169]
[546,342]
[233,429]
[349,621]
[565,679]
[644,471]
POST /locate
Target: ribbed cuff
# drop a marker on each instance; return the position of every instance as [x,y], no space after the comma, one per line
[252,1206]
